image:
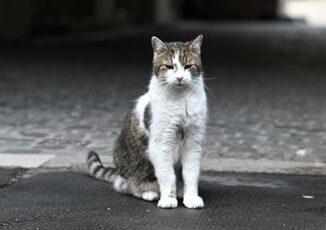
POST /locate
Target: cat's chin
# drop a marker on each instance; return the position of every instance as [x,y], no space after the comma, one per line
[177,86]
[180,86]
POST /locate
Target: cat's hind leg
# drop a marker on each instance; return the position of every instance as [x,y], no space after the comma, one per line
[150,195]
[148,191]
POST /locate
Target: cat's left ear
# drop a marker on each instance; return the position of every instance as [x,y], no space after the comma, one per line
[158,46]
[195,44]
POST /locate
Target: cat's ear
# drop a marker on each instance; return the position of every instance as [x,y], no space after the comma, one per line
[158,46]
[195,44]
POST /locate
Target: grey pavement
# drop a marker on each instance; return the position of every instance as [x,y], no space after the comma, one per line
[72,200]
[266,84]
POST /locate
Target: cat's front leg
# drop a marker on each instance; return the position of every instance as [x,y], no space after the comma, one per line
[191,161]
[161,155]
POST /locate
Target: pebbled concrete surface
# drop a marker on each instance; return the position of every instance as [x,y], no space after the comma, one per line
[72,200]
[67,95]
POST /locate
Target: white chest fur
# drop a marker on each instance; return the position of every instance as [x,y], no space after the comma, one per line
[172,108]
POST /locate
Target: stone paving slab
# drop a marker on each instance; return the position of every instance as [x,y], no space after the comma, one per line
[24,160]
[209,164]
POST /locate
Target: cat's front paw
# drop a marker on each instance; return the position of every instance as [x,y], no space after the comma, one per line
[193,201]
[167,202]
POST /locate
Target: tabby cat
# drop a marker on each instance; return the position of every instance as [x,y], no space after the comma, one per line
[158,153]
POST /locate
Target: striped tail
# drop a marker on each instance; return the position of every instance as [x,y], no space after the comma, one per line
[97,170]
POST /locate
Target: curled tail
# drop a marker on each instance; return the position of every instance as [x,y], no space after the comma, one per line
[97,170]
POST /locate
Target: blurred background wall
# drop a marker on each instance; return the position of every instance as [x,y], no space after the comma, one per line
[21,18]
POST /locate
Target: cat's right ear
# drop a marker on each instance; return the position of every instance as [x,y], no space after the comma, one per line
[158,46]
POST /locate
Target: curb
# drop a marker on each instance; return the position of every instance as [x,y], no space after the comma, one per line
[212,164]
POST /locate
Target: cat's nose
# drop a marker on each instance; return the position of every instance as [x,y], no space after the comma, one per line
[179,79]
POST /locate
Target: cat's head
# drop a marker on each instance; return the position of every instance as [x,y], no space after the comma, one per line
[177,63]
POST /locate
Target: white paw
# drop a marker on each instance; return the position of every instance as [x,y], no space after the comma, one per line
[191,201]
[167,202]
[150,196]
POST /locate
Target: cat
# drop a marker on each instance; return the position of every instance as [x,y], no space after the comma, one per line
[158,153]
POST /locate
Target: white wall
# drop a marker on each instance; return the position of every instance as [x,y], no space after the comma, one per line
[313,11]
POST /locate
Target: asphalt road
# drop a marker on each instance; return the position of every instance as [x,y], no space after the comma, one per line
[72,200]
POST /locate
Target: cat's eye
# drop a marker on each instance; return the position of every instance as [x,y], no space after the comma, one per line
[169,66]
[188,66]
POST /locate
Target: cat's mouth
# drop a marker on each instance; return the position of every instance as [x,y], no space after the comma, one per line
[180,84]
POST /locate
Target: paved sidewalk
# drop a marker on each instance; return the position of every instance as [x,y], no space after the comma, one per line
[72,200]
[267,103]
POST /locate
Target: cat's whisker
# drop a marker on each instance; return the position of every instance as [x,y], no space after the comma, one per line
[209,91]
[164,83]
[211,78]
